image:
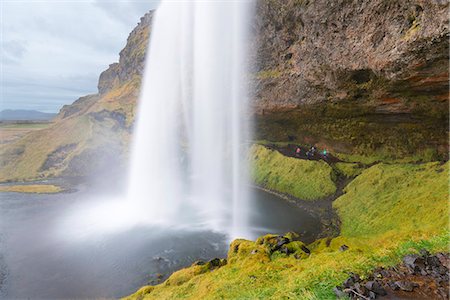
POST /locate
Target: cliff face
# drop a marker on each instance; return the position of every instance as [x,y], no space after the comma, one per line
[90,136]
[315,51]
[132,58]
[364,77]
[120,82]
[337,74]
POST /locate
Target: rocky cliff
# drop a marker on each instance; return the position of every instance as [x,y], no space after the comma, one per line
[316,51]
[338,74]
[365,77]
[90,136]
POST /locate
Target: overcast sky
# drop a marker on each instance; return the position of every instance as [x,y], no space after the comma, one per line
[53,51]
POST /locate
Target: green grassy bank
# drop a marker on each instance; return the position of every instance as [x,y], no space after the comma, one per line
[387,211]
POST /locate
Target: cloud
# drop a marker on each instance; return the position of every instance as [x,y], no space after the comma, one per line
[53,51]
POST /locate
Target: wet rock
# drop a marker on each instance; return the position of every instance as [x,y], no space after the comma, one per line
[360,289]
[215,262]
[349,282]
[393,286]
[306,250]
[424,252]
[284,250]
[426,269]
[375,287]
[343,248]
[281,240]
[414,263]
[406,286]
[339,293]
[198,263]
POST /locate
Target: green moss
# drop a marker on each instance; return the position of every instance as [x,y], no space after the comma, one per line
[267,74]
[387,211]
[304,179]
[284,277]
[392,198]
[349,169]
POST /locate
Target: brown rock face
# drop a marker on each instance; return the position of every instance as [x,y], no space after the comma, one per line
[314,51]
[132,57]
[369,77]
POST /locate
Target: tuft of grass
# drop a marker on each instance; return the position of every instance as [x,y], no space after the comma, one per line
[32,188]
[267,74]
[304,179]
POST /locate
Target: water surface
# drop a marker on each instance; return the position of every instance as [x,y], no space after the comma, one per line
[41,259]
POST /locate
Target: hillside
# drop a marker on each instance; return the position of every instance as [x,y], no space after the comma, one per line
[91,135]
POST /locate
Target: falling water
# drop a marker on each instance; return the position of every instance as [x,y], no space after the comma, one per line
[188,163]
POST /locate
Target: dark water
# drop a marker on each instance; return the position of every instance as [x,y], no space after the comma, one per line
[37,263]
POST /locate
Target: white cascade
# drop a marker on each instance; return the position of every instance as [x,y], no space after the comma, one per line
[188,158]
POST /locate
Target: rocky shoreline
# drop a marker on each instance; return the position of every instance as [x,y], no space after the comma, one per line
[419,276]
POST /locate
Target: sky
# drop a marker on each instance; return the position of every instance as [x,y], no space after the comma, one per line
[53,51]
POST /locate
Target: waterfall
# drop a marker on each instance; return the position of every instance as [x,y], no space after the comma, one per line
[188,156]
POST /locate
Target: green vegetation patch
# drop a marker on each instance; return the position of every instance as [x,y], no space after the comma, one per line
[395,198]
[349,169]
[32,188]
[387,211]
[304,179]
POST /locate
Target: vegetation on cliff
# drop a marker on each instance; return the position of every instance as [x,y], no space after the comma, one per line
[304,179]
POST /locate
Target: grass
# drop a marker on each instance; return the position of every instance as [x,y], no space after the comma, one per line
[22,159]
[304,179]
[24,125]
[32,188]
[392,198]
[348,169]
[387,211]
[268,74]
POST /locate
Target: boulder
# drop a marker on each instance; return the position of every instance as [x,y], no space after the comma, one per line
[406,286]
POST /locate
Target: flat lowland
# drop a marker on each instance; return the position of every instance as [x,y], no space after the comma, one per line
[32,188]
[10,132]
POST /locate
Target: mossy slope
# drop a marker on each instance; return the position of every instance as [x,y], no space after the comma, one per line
[304,179]
[387,212]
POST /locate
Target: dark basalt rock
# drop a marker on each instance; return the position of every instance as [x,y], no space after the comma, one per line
[306,250]
[343,248]
[406,286]
[375,287]
[423,275]
[414,262]
[198,263]
[281,240]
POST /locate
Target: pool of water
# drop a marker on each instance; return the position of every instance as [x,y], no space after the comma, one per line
[38,259]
